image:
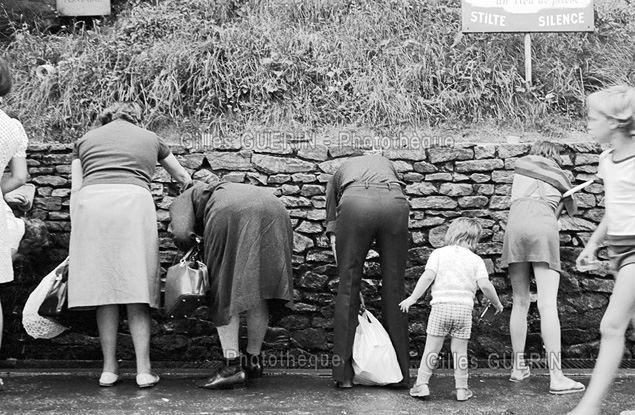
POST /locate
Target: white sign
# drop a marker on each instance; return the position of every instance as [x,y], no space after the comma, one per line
[527,15]
[83,7]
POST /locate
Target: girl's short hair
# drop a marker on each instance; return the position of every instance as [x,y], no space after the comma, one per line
[124,110]
[36,236]
[5,78]
[464,232]
[546,149]
[616,103]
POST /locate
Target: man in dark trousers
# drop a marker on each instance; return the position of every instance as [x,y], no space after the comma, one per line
[365,202]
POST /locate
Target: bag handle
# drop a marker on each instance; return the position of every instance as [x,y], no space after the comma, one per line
[194,250]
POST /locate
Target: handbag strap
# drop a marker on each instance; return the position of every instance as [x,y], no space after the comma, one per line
[61,273]
[194,250]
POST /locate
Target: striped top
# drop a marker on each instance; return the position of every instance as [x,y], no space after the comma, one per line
[548,171]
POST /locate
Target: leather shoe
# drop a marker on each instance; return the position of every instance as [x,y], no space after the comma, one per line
[252,365]
[227,377]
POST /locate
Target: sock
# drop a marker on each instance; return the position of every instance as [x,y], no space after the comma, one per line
[423,378]
[460,382]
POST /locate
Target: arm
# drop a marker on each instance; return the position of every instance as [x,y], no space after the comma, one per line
[19,175]
[183,220]
[422,285]
[588,253]
[490,293]
[333,247]
[77,175]
[174,168]
[331,206]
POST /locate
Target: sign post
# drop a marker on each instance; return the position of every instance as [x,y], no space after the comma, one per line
[528,59]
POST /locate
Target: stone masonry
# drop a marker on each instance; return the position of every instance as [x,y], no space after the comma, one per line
[442,183]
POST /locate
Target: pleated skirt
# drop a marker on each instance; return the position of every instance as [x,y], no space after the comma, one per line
[114,247]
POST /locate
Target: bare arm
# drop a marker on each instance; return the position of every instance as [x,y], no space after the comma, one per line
[77,175]
[490,293]
[174,168]
[588,253]
[19,175]
[422,286]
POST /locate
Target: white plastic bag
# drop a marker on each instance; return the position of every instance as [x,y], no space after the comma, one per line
[374,358]
[35,325]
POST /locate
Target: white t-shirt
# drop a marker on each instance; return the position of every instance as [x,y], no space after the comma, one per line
[619,193]
[457,269]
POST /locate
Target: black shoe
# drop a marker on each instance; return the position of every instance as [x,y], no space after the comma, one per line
[252,365]
[227,377]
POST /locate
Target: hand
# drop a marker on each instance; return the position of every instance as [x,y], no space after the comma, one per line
[499,307]
[405,304]
[16,199]
[333,247]
[587,256]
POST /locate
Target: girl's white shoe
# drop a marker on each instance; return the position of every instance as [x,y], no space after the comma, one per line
[463,394]
[420,391]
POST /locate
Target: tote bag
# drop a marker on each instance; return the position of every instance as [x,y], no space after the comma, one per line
[374,358]
[35,325]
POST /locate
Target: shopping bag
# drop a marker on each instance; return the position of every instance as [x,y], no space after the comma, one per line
[186,286]
[55,303]
[374,358]
[35,325]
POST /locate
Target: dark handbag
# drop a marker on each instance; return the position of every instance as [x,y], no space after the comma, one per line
[186,285]
[55,304]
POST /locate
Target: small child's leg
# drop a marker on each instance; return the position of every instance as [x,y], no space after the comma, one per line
[613,328]
[461,366]
[427,366]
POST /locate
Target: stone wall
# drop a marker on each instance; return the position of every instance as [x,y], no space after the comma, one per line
[442,183]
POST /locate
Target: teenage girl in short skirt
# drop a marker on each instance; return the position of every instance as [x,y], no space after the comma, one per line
[532,245]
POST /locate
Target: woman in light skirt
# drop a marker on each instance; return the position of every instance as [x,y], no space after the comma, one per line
[114,249]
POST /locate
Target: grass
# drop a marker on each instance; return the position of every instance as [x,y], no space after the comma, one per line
[313,65]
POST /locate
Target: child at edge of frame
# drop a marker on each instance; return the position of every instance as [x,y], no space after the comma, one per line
[455,273]
[611,120]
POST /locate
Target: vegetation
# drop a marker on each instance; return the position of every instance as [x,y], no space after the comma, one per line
[311,65]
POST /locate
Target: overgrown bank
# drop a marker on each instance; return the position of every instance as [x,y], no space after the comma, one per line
[313,66]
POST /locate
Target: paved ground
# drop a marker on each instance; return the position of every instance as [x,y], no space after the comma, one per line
[289,392]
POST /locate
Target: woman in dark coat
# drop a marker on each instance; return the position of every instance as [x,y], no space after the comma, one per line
[248,240]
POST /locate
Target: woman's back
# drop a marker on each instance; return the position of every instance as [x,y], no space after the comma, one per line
[120,153]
